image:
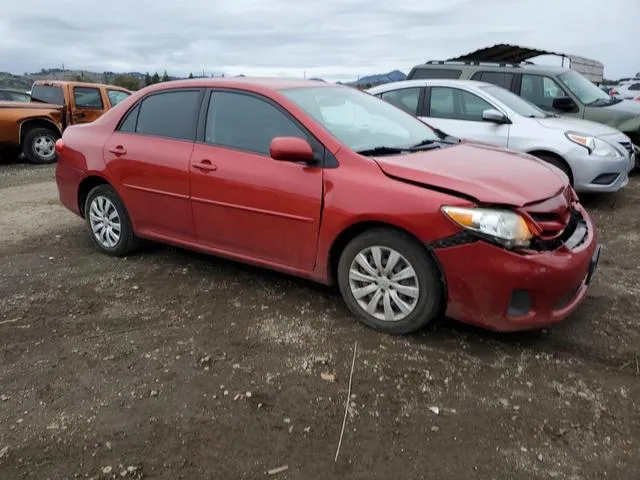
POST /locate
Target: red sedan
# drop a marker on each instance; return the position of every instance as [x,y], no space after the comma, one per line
[332,184]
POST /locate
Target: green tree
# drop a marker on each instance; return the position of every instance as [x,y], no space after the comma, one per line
[155,78]
[127,81]
[191,75]
[165,77]
[147,79]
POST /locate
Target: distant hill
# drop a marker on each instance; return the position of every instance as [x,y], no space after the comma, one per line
[380,78]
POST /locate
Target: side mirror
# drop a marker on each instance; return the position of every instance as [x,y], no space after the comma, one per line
[291,149]
[491,115]
[564,104]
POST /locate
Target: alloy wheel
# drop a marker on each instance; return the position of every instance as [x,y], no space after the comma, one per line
[384,283]
[105,221]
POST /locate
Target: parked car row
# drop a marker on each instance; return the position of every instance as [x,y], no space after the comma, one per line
[553,89]
[32,125]
[627,90]
[333,184]
[594,156]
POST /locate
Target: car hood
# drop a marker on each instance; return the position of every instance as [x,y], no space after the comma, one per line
[630,107]
[488,174]
[567,124]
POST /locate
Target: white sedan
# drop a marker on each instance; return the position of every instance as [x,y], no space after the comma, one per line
[595,157]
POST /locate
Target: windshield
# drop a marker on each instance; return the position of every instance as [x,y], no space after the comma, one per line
[518,104]
[582,88]
[47,94]
[360,120]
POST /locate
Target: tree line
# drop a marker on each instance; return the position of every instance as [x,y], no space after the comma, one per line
[130,82]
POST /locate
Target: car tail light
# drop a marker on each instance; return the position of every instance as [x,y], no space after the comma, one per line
[59,145]
[637,99]
[613,92]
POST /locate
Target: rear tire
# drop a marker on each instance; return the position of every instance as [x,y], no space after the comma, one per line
[389,282]
[38,145]
[108,222]
[556,162]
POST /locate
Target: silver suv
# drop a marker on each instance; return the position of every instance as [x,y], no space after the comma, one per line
[555,89]
[595,157]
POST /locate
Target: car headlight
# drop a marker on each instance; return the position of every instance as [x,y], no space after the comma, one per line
[594,145]
[503,226]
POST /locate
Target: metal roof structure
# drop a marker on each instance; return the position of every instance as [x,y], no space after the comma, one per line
[505,53]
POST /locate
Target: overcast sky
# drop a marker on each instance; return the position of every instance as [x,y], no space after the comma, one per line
[332,39]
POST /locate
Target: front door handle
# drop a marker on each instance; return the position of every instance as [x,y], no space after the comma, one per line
[118,150]
[205,166]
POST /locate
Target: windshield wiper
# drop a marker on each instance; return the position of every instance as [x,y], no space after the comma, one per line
[445,137]
[381,150]
[427,144]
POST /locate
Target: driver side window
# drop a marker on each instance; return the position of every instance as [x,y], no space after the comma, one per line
[540,90]
[456,104]
[248,123]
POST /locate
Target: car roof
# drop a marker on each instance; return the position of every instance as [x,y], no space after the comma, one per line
[59,83]
[492,66]
[247,83]
[428,82]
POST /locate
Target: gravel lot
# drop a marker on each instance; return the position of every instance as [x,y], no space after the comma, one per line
[174,365]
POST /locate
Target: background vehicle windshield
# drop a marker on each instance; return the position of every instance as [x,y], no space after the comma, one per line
[361,121]
[514,102]
[582,88]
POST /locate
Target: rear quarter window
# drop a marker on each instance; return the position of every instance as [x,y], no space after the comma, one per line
[426,73]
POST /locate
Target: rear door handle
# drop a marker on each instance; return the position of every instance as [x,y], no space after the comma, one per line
[118,150]
[205,166]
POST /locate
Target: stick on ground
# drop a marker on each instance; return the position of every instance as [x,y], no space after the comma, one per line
[346,403]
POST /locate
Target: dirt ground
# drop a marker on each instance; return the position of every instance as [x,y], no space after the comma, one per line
[175,365]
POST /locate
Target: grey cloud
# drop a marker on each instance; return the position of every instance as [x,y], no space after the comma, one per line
[334,39]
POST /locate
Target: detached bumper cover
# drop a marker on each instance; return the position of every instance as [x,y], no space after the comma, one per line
[502,290]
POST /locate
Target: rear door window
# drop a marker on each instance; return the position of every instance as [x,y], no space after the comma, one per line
[404,98]
[170,114]
[47,94]
[501,79]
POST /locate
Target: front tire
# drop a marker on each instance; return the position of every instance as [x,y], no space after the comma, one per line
[108,222]
[389,282]
[39,145]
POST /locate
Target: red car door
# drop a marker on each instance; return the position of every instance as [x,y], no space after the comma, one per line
[244,202]
[148,157]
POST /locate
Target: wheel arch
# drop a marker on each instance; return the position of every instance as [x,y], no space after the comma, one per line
[38,122]
[349,233]
[86,185]
[540,152]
